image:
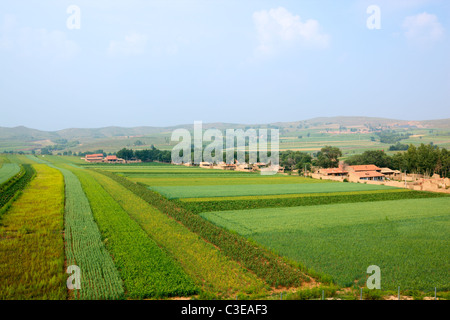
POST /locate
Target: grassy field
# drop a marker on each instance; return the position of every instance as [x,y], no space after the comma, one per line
[33,228]
[7,171]
[176,192]
[408,239]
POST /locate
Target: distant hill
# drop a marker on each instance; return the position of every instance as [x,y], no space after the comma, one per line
[111,138]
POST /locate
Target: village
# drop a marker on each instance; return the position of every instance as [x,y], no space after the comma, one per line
[369,174]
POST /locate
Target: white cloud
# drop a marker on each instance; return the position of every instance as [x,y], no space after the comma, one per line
[133,44]
[279,28]
[423,28]
[31,42]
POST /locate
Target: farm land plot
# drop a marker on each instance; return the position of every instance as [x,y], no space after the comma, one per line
[33,226]
[273,269]
[407,239]
[211,270]
[84,246]
[7,171]
[176,192]
[146,269]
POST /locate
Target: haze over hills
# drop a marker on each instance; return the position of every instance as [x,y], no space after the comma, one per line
[22,132]
[113,138]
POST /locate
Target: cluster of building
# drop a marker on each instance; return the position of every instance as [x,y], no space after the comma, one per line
[362,172]
[234,166]
[100,158]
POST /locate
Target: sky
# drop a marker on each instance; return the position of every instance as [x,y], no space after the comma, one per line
[90,64]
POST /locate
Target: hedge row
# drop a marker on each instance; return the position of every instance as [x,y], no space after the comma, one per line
[11,189]
[206,206]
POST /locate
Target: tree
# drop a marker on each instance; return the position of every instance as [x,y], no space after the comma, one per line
[376,157]
[328,157]
[125,153]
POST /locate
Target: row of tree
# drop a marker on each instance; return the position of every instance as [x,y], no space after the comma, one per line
[146,155]
[327,157]
[426,159]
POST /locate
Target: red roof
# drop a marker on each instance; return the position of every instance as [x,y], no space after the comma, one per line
[333,170]
[111,158]
[369,167]
[94,155]
[369,174]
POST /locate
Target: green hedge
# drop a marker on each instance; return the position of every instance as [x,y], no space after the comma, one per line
[12,188]
[206,206]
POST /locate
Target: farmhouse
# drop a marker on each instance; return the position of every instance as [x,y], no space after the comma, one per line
[97,157]
[227,166]
[364,168]
[205,165]
[336,172]
[113,159]
[389,173]
[367,175]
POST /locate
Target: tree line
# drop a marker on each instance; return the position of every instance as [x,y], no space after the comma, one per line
[426,159]
[146,155]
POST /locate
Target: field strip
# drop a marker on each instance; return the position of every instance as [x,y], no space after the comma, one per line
[335,214]
[33,227]
[147,271]
[175,192]
[311,200]
[289,196]
[407,239]
[7,171]
[84,247]
[210,269]
[212,180]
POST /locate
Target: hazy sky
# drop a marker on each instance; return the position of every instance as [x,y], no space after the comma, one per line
[160,63]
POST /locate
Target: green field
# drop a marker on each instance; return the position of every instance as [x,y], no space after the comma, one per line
[152,230]
[7,171]
[407,239]
[172,192]
[31,241]
[84,246]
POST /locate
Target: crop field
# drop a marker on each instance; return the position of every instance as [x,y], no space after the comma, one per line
[33,226]
[197,205]
[210,269]
[175,192]
[158,231]
[296,217]
[146,269]
[84,247]
[409,244]
[7,171]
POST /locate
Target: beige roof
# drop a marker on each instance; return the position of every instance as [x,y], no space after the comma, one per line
[368,174]
[369,167]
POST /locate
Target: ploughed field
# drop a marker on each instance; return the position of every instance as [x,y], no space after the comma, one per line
[157,231]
